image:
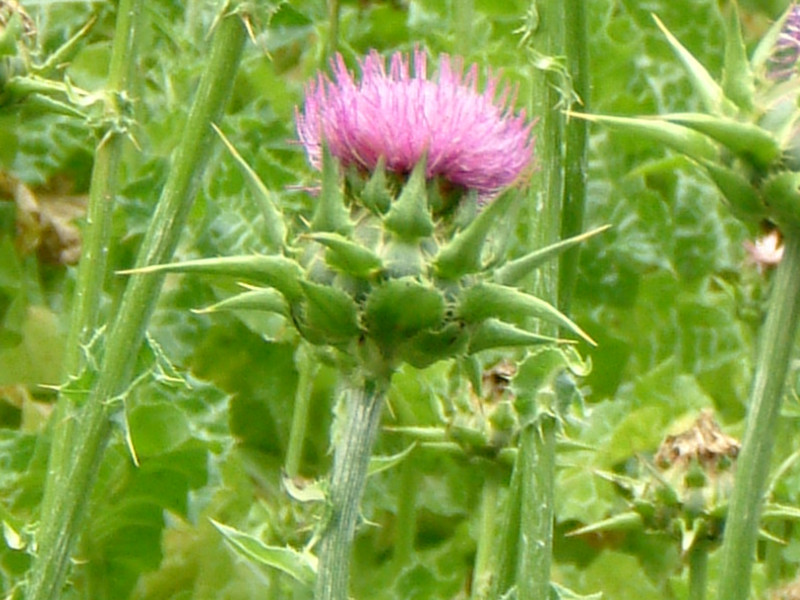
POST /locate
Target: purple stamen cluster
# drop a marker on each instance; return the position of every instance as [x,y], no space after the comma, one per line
[783,62]
[470,138]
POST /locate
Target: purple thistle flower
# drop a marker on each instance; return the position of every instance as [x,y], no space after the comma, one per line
[783,62]
[471,138]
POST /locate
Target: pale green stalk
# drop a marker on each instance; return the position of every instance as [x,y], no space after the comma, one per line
[352,451]
[698,571]
[576,138]
[307,368]
[406,527]
[92,270]
[485,560]
[537,444]
[753,465]
[62,524]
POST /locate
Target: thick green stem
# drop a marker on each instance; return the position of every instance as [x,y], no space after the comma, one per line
[698,571]
[576,138]
[508,546]
[92,270]
[406,514]
[537,446]
[485,560]
[61,525]
[307,368]
[776,344]
[538,456]
[348,478]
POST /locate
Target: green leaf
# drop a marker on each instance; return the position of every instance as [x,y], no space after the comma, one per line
[157,428]
[301,566]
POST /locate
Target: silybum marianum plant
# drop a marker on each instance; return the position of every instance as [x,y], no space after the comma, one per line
[403,259]
[746,140]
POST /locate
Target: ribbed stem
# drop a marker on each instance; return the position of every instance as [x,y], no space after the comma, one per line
[61,525]
[538,467]
[576,138]
[698,571]
[485,559]
[775,351]
[307,369]
[508,544]
[406,529]
[92,270]
[348,478]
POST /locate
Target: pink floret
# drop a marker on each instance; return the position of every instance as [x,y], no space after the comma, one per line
[472,139]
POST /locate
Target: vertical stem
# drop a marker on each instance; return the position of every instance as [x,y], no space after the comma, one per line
[61,525]
[698,571]
[537,445]
[347,482]
[485,561]
[406,515]
[92,270]
[576,138]
[307,369]
[507,551]
[776,344]
[538,455]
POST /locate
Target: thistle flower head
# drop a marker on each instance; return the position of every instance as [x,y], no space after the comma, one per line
[783,62]
[469,138]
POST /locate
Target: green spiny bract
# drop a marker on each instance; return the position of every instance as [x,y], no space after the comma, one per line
[388,279]
[390,273]
[748,137]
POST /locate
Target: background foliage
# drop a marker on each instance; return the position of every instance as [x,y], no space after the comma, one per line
[667,293]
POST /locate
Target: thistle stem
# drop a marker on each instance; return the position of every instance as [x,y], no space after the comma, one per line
[61,525]
[538,459]
[698,571]
[406,515]
[348,478]
[485,559]
[307,369]
[576,153]
[92,270]
[507,549]
[776,344]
